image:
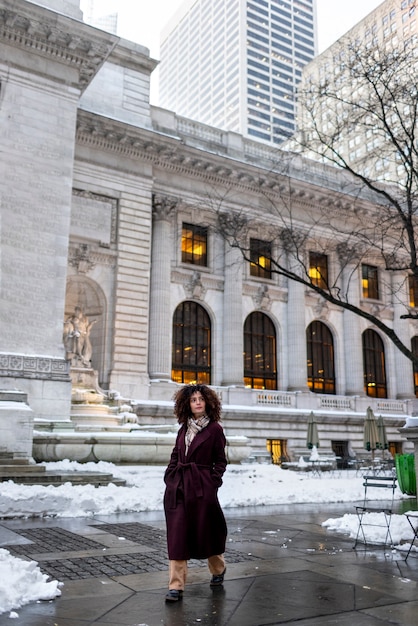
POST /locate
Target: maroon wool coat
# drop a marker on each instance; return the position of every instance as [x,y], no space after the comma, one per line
[196,527]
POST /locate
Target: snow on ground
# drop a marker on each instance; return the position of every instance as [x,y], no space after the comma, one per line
[22,582]
[244,485]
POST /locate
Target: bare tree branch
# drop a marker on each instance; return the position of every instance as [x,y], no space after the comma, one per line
[361,117]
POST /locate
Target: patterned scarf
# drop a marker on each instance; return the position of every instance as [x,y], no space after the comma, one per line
[194,427]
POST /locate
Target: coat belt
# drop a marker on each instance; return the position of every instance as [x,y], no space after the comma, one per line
[196,480]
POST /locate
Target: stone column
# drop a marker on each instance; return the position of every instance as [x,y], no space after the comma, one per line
[160,323]
[129,329]
[233,331]
[403,373]
[296,331]
[353,349]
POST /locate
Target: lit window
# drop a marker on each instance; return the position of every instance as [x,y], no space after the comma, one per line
[194,241]
[318,269]
[260,369]
[320,354]
[369,282]
[414,348]
[374,368]
[260,258]
[191,349]
[413,290]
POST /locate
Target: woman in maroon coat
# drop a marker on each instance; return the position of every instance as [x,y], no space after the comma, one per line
[196,527]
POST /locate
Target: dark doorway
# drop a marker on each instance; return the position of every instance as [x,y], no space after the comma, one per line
[340,449]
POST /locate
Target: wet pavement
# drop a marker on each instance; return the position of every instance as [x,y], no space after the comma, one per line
[283,567]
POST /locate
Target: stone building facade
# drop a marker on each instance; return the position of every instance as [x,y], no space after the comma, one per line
[106,205]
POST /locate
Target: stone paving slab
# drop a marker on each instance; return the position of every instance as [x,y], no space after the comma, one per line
[283,567]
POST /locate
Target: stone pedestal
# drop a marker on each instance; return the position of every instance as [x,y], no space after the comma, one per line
[85,378]
[16,426]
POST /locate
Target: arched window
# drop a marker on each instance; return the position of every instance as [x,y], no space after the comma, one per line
[191,356]
[260,370]
[414,348]
[320,347]
[374,365]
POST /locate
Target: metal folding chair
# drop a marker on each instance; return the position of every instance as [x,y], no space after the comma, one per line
[413,522]
[384,508]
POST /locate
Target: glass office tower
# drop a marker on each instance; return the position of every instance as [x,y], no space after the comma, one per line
[235,64]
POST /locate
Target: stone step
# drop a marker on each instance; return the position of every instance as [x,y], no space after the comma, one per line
[9,460]
[60,477]
[12,395]
[19,468]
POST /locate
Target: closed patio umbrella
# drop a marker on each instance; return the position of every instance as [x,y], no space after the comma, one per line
[370,434]
[312,439]
[382,443]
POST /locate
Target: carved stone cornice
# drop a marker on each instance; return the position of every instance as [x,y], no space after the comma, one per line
[176,155]
[44,368]
[171,154]
[52,35]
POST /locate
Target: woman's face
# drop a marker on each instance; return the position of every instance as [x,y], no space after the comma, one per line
[197,404]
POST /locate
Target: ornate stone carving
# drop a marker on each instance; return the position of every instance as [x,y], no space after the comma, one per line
[347,253]
[61,40]
[194,287]
[376,309]
[292,240]
[80,259]
[23,366]
[163,206]
[77,338]
[262,298]
[321,309]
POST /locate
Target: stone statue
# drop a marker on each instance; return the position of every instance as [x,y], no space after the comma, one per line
[77,338]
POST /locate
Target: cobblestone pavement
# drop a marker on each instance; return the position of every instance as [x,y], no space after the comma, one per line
[283,567]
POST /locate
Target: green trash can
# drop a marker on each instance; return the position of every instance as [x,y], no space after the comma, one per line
[405,472]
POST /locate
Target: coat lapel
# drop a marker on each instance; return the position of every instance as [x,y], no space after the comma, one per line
[198,440]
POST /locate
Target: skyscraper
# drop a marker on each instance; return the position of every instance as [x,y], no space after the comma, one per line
[235,64]
[100,14]
[388,32]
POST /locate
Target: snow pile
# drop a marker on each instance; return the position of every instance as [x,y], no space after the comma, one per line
[375,529]
[23,582]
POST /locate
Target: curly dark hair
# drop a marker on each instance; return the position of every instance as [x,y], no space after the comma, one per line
[182,408]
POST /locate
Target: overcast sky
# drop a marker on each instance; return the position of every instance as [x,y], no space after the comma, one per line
[143,20]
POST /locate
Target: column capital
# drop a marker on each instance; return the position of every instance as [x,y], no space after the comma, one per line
[348,255]
[163,206]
